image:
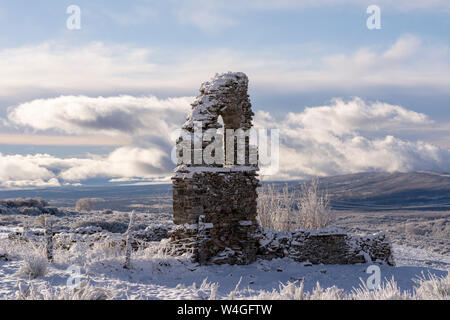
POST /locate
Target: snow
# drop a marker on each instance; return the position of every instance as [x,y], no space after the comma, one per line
[4,231]
[157,276]
[220,80]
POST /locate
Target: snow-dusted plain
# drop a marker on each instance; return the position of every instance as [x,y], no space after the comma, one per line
[155,275]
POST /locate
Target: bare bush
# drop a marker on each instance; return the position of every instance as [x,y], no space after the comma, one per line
[288,210]
[28,202]
[84,204]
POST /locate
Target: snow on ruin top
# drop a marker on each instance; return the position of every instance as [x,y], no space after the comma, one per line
[221,81]
[224,95]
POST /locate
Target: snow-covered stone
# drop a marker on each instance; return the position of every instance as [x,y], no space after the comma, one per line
[326,246]
[221,195]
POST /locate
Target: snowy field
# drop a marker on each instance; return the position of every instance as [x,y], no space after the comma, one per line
[155,275]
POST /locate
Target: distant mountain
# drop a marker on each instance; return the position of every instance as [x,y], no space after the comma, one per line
[414,190]
[361,192]
[363,185]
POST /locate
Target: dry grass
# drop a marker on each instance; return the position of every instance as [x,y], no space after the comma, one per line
[289,210]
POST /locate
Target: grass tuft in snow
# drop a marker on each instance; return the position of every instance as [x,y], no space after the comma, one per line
[85,291]
[34,264]
[433,288]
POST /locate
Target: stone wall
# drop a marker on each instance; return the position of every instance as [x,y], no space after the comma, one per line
[221,208]
[214,204]
[326,246]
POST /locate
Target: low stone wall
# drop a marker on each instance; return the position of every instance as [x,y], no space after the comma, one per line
[326,246]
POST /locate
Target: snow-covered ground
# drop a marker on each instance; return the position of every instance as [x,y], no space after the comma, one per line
[157,276]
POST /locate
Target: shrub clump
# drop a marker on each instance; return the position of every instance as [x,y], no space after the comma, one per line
[34,266]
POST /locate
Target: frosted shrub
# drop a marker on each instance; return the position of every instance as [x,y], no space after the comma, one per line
[233,293]
[314,207]
[434,288]
[34,266]
[206,291]
[289,210]
[289,291]
[275,207]
[84,292]
[294,291]
[387,291]
[331,293]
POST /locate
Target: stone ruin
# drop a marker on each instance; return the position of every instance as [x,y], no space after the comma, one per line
[214,204]
[215,192]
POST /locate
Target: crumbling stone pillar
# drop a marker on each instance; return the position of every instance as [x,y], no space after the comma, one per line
[215,204]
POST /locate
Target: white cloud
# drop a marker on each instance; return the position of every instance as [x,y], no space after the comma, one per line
[344,117]
[54,67]
[99,68]
[127,162]
[112,115]
[62,140]
[370,67]
[343,137]
[30,184]
[23,170]
[145,122]
[44,170]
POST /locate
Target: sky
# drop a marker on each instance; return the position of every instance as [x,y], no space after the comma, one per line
[99,102]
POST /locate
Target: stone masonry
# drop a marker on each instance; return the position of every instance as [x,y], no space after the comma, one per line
[215,203]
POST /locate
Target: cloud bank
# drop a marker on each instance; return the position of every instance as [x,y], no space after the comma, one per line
[112,115]
[342,137]
[97,68]
[353,136]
